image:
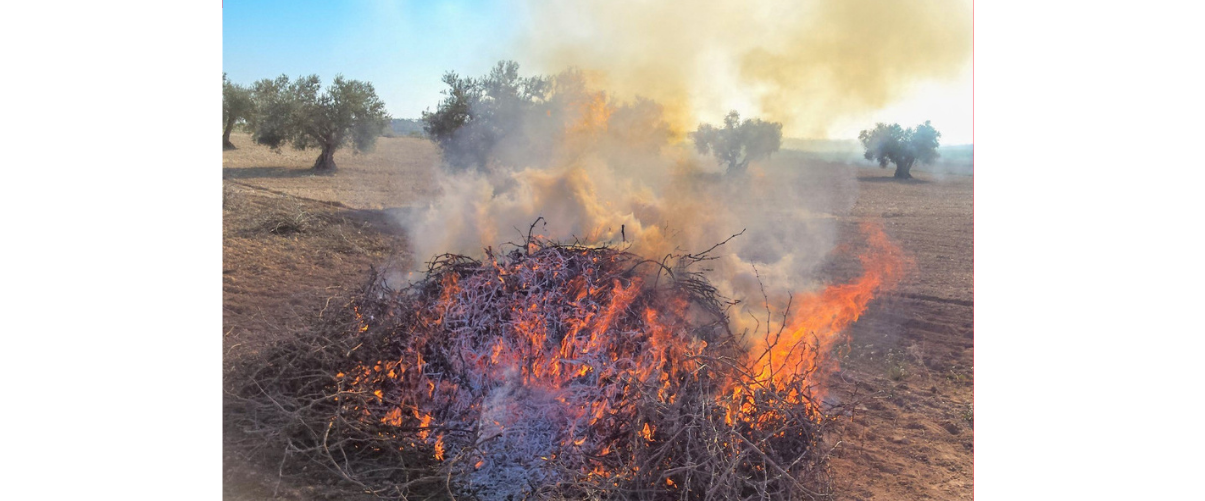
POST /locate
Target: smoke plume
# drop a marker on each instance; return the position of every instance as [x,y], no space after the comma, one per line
[805,64]
[598,172]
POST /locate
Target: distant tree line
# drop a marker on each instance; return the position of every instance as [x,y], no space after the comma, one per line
[300,113]
[406,127]
[507,119]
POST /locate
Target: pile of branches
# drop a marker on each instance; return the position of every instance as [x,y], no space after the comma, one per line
[552,371]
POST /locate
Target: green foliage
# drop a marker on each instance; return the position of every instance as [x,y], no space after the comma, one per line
[738,143]
[478,114]
[903,147]
[237,105]
[504,120]
[297,112]
[273,122]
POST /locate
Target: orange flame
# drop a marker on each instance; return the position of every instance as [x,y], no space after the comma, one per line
[613,334]
[820,319]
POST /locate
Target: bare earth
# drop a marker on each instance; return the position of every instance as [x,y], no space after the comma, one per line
[911,366]
[295,243]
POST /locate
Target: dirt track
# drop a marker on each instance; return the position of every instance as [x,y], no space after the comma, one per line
[909,374]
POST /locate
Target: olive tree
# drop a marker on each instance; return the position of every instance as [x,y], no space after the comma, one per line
[503,120]
[236,105]
[902,147]
[737,143]
[476,115]
[348,112]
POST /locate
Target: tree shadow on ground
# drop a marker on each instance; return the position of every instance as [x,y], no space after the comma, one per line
[385,221]
[270,172]
[891,179]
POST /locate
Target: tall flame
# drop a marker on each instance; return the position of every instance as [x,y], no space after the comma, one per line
[818,321]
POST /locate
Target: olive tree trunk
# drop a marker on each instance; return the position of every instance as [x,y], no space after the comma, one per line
[226,144]
[736,168]
[326,161]
[903,171]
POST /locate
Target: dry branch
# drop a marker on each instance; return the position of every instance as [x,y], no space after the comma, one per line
[553,372]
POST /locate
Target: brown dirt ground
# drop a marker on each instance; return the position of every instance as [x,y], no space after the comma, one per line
[295,243]
[397,173]
[910,371]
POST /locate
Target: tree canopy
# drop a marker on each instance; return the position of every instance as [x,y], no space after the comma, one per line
[477,114]
[738,143]
[236,105]
[296,112]
[902,147]
[504,120]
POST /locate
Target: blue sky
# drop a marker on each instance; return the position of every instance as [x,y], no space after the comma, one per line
[403,48]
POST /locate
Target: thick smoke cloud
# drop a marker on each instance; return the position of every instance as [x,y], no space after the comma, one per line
[805,64]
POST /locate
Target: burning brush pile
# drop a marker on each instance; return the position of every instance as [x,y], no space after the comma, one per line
[557,371]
